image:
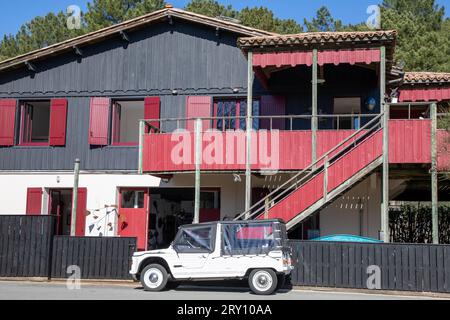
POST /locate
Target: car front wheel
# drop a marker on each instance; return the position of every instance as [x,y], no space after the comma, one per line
[154,277]
[263,281]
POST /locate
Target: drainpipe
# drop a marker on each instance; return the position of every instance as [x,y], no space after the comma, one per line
[73,220]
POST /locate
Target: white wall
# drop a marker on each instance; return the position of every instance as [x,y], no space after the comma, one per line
[340,217]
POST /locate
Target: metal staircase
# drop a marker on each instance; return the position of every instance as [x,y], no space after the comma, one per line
[324,180]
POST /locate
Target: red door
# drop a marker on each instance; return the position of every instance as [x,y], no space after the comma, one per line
[133,215]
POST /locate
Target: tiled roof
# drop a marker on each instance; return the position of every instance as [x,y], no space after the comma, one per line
[129,25]
[311,38]
[426,77]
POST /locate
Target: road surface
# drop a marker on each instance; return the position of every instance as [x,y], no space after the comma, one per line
[18,290]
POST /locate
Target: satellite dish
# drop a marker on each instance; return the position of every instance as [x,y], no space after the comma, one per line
[237,178]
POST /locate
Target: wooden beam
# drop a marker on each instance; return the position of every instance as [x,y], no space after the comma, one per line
[434,175]
[314,120]
[385,236]
[78,51]
[73,217]
[124,36]
[248,168]
[30,66]
[198,162]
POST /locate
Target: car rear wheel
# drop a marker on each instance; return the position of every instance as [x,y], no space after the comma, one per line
[263,281]
[154,277]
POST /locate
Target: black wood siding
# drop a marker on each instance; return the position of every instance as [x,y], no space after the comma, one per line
[187,57]
[404,267]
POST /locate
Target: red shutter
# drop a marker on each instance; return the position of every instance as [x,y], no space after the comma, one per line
[81,212]
[198,107]
[273,106]
[7,121]
[152,110]
[98,123]
[34,201]
[58,122]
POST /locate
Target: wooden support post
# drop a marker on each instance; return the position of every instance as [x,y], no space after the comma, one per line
[249,127]
[314,120]
[73,217]
[141,146]
[325,178]
[385,235]
[266,208]
[434,177]
[198,161]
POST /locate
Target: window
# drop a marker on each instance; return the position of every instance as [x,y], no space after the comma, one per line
[132,199]
[231,114]
[209,199]
[350,107]
[35,122]
[125,122]
[195,239]
[249,238]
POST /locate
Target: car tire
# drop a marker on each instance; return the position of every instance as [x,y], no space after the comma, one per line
[281,281]
[263,281]
[154,277]
[172,285]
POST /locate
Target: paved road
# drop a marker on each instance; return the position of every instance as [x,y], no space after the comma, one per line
[14,290]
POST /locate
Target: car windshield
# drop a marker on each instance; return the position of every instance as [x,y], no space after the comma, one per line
[195,239]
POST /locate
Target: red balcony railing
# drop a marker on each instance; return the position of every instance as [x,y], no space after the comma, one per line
[289,149]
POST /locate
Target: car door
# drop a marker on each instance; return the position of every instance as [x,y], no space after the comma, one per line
[194,245]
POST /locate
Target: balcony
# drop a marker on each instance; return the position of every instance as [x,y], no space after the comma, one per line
[278,142]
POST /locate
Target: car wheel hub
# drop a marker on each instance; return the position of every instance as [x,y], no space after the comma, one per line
[262,281]
[153,278]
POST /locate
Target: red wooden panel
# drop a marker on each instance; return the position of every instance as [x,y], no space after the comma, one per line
[424,94]
[299,200]
[7,121]
[209,215]
[133,222]
[152,110]
[443,142]
[58,122]
[292,152]
[81,212]
[98,122]
[280,59]
[198,107]
[339,172]
[34,201]
[273,106]
[410,141]
[355,160]
[337,57]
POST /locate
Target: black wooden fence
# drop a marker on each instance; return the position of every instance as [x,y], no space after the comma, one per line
[403,267]
[97,258]
[25,245]
[29,248]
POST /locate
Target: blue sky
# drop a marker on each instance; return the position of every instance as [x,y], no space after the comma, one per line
[14,13]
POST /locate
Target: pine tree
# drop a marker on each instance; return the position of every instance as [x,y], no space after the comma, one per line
[323,22]
[211,8]
[105,13]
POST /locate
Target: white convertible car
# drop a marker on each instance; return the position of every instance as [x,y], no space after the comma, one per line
[253,250]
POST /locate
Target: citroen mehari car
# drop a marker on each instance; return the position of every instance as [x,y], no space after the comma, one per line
[253,250]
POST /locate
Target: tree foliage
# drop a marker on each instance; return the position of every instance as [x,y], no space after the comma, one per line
[323,22]
[423,33]
[104,13]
